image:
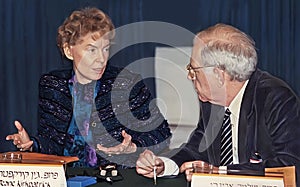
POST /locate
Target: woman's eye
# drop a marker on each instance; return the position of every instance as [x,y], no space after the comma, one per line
[92,50]
[106,49]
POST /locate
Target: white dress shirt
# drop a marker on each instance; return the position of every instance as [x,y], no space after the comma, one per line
[171,167]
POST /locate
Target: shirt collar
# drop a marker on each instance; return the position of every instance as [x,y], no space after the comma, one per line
[235,105]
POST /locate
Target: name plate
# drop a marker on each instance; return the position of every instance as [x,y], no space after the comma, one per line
[216,180]
[32,175]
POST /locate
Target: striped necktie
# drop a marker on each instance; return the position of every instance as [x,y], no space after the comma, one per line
[226,140]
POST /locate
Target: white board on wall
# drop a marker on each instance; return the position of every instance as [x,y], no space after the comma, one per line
[176,96]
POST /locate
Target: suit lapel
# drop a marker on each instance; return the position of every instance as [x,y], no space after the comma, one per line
[246,134]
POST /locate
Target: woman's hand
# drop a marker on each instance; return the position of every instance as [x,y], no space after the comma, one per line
[126,147]
[20,139]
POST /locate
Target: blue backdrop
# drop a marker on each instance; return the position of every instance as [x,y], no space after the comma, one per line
[28,41]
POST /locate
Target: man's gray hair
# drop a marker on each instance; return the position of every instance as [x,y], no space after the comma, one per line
[229,49]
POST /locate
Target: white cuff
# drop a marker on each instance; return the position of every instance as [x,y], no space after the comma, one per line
[171,167]
[222,169]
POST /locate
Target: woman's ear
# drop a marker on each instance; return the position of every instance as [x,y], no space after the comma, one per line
[68,51]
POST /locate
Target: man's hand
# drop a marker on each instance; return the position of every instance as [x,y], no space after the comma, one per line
[20,139]
[146,163]
[197,166]
[126,147]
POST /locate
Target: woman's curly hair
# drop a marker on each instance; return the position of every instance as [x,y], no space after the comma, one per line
[82,22]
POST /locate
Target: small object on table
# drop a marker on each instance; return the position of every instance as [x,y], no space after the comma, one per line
[114,172]
[102,172]
[11,157]
[108,179]
[81,181]
[109,173]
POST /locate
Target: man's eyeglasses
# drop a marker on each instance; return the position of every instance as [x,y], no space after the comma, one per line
[192,72]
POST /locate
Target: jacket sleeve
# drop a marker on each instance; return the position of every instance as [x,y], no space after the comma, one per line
[125,103]
[196,147]
[54,114]
[190,150]
[150,130]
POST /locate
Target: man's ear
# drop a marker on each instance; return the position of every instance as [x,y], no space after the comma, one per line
[220,75]
[68,51]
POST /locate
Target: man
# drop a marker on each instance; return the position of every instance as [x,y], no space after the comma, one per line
[264,112]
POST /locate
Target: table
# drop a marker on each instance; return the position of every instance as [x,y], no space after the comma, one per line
[132,179]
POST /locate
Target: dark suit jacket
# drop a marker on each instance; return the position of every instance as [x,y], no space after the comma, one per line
[122,103]
[269,124]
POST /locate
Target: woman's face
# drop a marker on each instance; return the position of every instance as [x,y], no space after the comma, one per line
[89,58]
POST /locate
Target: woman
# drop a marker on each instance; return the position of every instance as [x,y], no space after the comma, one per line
[87,111]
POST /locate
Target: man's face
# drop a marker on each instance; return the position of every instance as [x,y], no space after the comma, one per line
[205,81]
[90,58]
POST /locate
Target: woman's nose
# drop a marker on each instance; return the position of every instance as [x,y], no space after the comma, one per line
[100,57]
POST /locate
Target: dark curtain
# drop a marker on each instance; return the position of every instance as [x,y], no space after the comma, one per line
[28,41]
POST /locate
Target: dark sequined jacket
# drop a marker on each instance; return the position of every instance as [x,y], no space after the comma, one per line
[122,102]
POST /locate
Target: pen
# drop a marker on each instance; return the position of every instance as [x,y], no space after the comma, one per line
[154,173]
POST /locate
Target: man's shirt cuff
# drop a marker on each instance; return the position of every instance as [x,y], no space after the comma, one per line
[171,167]
[222,169]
